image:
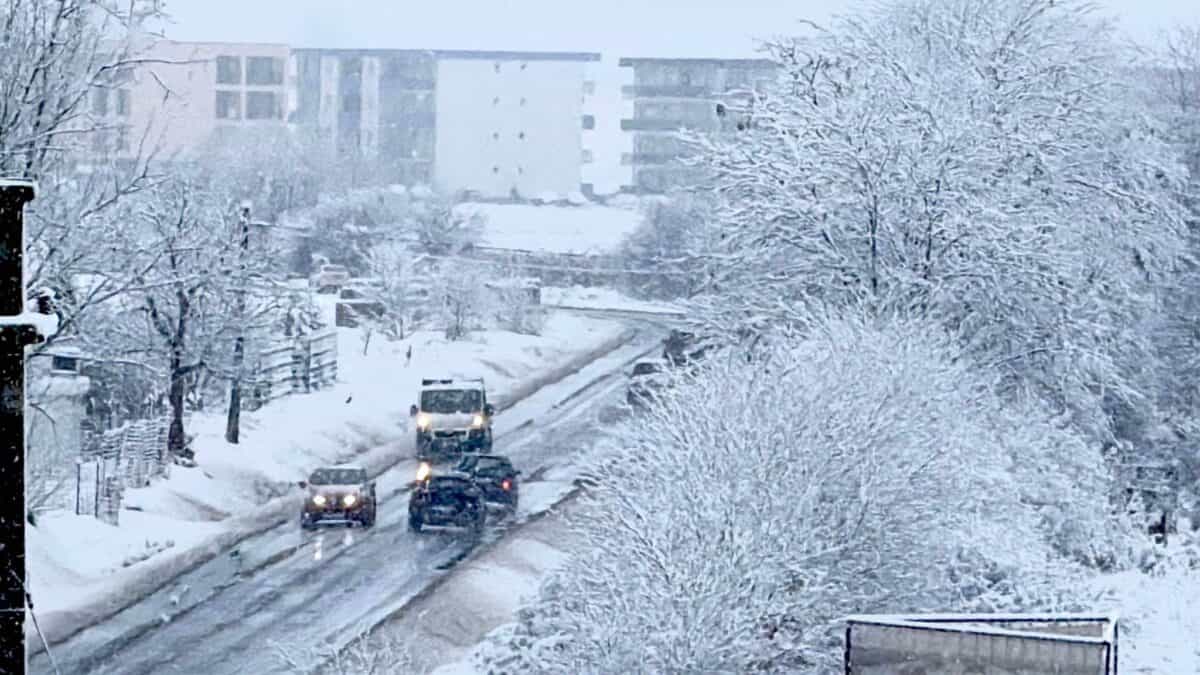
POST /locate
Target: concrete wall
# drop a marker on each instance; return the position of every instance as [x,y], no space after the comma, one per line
[509,124]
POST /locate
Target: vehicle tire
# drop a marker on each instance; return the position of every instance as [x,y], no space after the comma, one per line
[305,523]
[414,522]
[368,518]
[487,443]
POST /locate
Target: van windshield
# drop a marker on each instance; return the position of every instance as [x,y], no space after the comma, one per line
[445,401]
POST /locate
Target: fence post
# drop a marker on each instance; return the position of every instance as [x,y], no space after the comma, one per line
[96,499]
[78,482]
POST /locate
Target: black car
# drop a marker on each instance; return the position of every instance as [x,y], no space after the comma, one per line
[453,500]
[495,475]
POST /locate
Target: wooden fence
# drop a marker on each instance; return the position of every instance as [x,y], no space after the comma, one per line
[296,366]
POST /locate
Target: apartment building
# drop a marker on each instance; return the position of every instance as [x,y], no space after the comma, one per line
[500,124]
[183,94]
[670,95]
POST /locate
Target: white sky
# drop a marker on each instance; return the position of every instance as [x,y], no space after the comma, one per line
[712,28]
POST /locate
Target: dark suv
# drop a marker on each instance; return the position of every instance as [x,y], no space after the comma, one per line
[340,494]
[447,500]
[495,475]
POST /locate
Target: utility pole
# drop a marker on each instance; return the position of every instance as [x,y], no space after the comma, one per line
[233,421]
[17,331]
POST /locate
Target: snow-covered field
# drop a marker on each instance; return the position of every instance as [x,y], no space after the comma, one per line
[73,559]
[557,229]
[589,297]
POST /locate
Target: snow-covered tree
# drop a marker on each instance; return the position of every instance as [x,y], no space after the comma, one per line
[395,267]
[513,306]
[180,307]
[345,226]
[866,469]
[980,162]
[57,58]
[670,239]
[442,229]
[458,299]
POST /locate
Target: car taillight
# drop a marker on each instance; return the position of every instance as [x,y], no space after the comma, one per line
[506,484]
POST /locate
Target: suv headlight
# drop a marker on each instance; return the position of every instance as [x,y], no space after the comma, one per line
[477,421]
[349,500]
[319,500]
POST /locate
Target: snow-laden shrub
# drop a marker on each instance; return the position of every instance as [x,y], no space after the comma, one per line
[865,469]
[670,238]
[514,308]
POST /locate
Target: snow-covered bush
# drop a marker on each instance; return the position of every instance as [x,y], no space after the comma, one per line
[865,469]
[368,653]
[394,266]
[346,226]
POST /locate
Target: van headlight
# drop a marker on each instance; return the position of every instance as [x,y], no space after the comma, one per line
[319,500]
[423,421]
[349,500]
[477,421]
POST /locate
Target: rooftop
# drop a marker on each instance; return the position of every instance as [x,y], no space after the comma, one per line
[635,61]
[449,54]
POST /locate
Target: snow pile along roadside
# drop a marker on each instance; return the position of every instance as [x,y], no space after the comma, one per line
[1159,620]
[82,570]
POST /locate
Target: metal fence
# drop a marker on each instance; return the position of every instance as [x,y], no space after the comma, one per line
[297,366]
[985,644]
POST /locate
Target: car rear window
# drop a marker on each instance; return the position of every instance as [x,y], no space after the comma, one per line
[482,464]
[338,477]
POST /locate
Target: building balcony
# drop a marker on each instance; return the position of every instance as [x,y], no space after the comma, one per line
[666,91]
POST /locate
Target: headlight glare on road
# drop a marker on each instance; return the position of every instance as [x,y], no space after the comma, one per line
[319,500]
[349,500]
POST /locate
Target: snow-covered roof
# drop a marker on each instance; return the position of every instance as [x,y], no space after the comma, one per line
[17,183]
[441,384]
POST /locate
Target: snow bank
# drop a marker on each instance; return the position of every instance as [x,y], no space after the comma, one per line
[82,571]
[588,297]
[558,229]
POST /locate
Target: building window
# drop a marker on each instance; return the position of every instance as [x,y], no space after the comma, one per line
[229,70]
[589,87]
[123,103]
[123,138]
[100,102]
[262,105]
[520,171]
[587,156]
[521,135]
[229,105]
[524,66]
[589,121]
[495,135]
[264,70]
[522,100]
[496,66]
[495,169]
[685,79]
[496,101]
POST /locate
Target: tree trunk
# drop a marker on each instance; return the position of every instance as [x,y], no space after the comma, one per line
[234,419]
[175,438]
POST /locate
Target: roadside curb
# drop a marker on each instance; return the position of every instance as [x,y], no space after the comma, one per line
[59,626]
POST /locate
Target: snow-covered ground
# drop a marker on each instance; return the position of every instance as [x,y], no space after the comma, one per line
[75,559]
[590,297]
[558,229]
[1160,620]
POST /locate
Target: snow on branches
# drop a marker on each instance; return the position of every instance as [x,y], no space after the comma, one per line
[979,162]
[863,469]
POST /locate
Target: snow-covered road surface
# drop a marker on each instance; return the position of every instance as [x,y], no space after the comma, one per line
[296,589]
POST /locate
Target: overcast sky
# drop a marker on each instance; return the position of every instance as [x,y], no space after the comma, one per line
[616,27]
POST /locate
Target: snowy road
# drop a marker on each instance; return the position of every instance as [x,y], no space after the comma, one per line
[297,590]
